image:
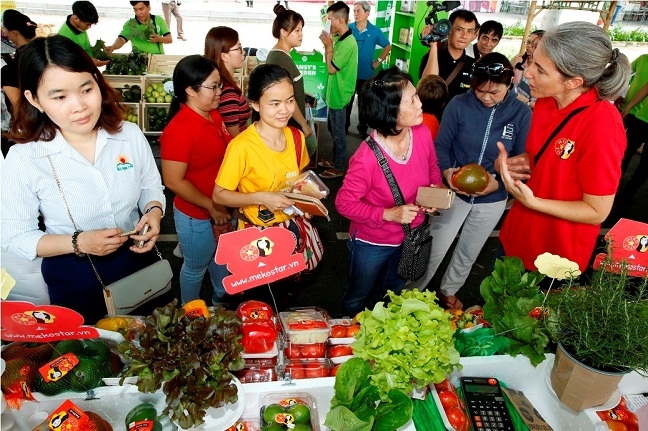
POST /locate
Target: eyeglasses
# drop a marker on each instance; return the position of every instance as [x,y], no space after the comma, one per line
[238,48]
[213,88]
[495,69]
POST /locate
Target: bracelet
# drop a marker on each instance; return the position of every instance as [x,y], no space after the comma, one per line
[75,245]
[154,206]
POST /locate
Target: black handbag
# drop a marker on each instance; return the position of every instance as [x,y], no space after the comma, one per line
[418,242]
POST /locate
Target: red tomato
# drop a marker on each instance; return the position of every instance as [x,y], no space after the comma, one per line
[448,399]
[334,370]
[352,330]
[338,331]
[445,386]
[293,351]
[315,350]
[315,369]
[296,371]
[341,350]
[616,425]
[458,419]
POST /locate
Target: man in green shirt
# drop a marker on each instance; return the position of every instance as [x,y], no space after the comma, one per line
[341,57]
[84,15]
[146,32]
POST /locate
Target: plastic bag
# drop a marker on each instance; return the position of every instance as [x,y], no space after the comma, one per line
[480,342]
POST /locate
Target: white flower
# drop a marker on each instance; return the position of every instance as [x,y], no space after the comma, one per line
[556,267]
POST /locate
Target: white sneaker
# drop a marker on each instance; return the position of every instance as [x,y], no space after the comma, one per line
[177,251]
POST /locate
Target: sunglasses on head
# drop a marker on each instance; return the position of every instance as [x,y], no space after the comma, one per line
[495,69]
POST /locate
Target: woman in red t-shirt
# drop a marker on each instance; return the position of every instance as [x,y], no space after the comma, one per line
[575,171]
[193,147]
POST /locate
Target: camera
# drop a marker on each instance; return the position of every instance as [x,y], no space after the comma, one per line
[440,28]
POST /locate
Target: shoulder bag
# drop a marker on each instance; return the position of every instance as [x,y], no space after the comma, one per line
[125,295]
[418,242]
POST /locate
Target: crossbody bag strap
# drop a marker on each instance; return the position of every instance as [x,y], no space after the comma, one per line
[555,132]
[454,73]
[76,228]
[298,147]
[393,186]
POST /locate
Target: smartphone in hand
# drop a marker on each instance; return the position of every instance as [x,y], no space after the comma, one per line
[141,242]
[129,233]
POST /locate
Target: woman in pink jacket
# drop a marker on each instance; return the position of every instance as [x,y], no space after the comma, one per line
[389,104]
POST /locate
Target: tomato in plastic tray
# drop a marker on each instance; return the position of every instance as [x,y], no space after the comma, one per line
[305,327]
[307,369]
[296,351]
[257,375]
[260,362]
[451,407]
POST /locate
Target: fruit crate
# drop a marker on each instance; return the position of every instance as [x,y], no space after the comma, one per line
[155,84]
[135,109]
[161,64]
[148,122]
[125,82]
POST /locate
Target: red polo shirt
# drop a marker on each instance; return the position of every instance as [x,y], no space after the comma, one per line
[583,158]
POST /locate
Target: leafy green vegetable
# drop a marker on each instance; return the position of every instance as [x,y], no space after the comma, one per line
[511,294]
[360,407]
[98,50]
[136,32]
[409,342]
[134,63]
[193,357]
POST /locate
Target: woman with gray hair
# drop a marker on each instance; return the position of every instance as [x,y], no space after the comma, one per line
[574,148]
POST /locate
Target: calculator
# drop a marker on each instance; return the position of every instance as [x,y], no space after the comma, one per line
[486,406]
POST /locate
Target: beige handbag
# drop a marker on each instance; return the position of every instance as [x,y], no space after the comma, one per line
[125,295]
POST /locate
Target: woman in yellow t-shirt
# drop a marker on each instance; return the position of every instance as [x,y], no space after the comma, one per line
[261,159]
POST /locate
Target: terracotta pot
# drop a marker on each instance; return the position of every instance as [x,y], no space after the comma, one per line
[579,386]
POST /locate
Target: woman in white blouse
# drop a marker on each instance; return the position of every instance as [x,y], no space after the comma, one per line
[88,173]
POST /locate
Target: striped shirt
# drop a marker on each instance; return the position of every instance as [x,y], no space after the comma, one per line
[234,108]
[102,195]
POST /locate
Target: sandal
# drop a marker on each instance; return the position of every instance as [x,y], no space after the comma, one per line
[450,302]
[325,164]
[331,173]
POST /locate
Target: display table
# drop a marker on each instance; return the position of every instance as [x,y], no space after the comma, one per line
[517,373]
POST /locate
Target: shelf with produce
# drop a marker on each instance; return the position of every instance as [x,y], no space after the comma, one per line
[154,91]
[134,114]
[154,117]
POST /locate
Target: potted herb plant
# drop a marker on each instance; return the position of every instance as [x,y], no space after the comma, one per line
[600,329]
[191,359]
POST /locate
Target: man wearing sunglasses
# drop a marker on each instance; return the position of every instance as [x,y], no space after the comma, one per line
[448,59]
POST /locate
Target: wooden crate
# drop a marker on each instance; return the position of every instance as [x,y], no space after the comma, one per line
[136,108]
[45,30]
[145,116]
[162,64]
[150,80]
[122,81]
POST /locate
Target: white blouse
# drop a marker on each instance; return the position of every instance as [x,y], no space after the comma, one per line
[103,195]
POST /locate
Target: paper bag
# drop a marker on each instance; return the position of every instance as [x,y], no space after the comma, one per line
[435,197]
[579,387]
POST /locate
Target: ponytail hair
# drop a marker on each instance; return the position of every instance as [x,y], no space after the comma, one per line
[585,50]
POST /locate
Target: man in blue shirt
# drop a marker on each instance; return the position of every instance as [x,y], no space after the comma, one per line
[368,37]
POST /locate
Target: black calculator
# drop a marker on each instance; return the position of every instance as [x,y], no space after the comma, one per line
[486,406]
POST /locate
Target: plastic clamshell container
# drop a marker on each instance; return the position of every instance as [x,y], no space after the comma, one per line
[439,406]
[272,353]
[306,351]
[304,327]
[309,184]
[340,340]
[307,368]
[257,375]
[288,400]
